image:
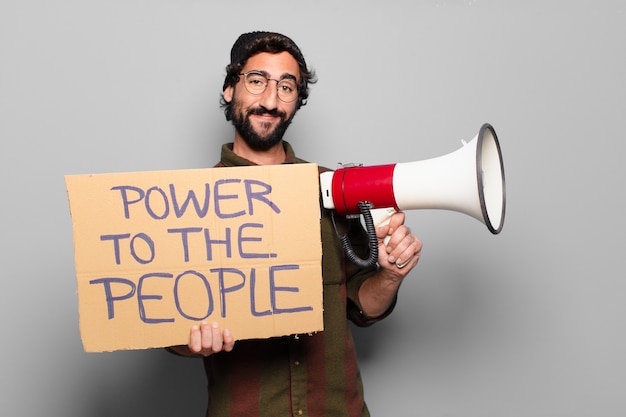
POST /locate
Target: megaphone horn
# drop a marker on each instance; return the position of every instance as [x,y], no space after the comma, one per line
[469,180]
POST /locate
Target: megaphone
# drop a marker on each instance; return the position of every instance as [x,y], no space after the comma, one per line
[469,180]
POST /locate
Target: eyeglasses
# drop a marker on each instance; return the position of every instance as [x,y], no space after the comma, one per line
[256,83]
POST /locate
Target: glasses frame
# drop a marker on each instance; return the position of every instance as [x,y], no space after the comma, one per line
[261,73]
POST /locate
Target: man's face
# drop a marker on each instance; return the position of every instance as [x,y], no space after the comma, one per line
[261,120]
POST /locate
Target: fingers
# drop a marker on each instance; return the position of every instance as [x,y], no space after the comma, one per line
[401,246]
[387,228]
[396,220]
[207,339]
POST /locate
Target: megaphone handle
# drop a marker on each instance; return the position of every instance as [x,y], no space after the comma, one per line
[381,217]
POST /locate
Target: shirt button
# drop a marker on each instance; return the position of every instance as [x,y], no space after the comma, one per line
[297,363]
[300,412]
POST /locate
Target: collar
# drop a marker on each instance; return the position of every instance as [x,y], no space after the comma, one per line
[231,159]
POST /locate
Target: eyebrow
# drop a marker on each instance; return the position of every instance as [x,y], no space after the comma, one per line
[284,76]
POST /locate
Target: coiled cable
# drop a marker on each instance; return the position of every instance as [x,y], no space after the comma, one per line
[364,208]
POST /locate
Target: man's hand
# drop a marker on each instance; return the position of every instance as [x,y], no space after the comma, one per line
[396,258]
[402,250]
[206,339]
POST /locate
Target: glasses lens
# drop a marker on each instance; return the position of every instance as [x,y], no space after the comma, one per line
[287,90]
[255,82]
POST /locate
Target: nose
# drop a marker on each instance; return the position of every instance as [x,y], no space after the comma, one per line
[269,97]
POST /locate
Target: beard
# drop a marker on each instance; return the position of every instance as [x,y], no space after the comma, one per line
[269,136]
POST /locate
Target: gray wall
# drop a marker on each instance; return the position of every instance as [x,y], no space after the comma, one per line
[526,323]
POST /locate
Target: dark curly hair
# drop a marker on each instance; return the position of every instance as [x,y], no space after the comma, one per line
[250,44]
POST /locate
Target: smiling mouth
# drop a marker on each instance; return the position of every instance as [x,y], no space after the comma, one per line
[266,116]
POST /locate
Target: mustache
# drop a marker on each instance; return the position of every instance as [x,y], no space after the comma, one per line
[260,111]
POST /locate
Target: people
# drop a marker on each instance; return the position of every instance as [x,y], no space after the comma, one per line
[317,374]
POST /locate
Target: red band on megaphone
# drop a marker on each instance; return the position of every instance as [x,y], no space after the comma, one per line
[356,184]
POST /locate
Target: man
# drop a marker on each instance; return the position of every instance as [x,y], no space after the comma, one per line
[302,375]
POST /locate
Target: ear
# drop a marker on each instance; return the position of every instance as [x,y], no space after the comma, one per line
[228,94]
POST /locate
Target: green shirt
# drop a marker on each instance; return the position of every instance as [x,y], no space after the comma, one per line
[300,375]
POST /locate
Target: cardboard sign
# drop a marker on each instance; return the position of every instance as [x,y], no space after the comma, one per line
[157,252]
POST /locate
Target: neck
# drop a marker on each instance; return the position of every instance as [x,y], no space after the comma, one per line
[273,156]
